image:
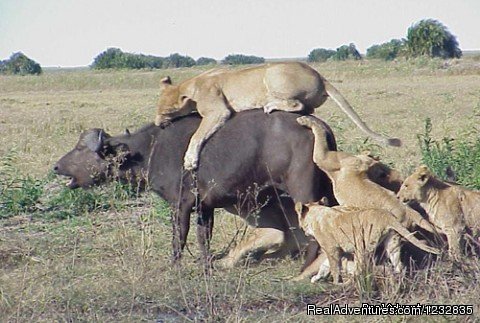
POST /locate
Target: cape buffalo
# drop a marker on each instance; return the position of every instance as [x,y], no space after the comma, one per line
[254,151]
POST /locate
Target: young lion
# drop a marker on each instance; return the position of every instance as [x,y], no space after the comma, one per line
[351,185]
[217,93]
[344,229]
[450,207]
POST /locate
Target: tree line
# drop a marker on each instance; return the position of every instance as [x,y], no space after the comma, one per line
[427,37]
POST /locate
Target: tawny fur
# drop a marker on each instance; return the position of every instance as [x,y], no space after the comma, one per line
[266,237]
[215,94]
[351,185]
[344,229]
[451,208]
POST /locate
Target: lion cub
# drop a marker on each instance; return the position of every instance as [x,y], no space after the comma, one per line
[351,185]
[344,229]
[218,93]
[450,207]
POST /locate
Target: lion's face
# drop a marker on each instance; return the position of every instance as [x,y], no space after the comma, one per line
[414,186]
[171,103]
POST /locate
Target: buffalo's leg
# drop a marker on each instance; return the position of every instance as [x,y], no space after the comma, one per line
[181,226]
[204,232]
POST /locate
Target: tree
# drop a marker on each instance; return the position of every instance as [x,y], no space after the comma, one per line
[431,38]
[387,51]
[347,52]
[320,54]
[19,63]
[177,60]
[239,59]
[111,58]
[206,61]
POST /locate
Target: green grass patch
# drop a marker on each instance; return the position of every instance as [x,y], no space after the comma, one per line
[49,198]
[462,155]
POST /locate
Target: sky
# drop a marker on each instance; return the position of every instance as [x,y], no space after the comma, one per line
[72,32]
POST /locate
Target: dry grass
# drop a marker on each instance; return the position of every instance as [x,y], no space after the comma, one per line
[115,265]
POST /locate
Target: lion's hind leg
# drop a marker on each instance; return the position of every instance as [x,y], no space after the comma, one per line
[288,105]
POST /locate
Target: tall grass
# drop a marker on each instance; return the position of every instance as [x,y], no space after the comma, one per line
[462,155]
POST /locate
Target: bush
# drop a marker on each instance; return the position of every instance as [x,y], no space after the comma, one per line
[115,58]
[320,54]
[347,52]
[239,59]
[177,60]
[431,38]
[206,61]
[387,51]
[461,155]
[19,63]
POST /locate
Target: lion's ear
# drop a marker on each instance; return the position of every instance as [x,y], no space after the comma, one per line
[165,81]
[423,174]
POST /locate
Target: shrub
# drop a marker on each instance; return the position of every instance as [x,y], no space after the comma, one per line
[461,155]
[387,51]
[19,63]
[347,52]
[177,60]
[206,61]
[320,54]
[431,38]
[115,58]
[239,59]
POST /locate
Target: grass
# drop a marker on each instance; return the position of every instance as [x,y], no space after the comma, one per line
[101,255]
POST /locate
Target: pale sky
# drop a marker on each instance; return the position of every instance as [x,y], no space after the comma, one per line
[72,32]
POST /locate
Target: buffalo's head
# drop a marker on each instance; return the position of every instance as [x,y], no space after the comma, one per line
[92,160]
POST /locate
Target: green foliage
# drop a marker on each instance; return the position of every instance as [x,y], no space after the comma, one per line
[462,155]
[115,58]
[19,63]
[387,51]
[22,194]
[347,52]
[320,54]
[177,60]
[206,61]
[239,59]
[18,193]
[431,38]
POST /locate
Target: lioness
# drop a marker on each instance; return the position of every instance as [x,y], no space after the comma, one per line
[345,229]
[215,94]
[351,185]
[450,207]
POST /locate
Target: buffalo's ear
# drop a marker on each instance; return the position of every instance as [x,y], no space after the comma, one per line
[114,148]
[94,139]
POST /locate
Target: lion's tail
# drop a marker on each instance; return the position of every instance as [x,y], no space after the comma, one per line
[348,110]
[400,229]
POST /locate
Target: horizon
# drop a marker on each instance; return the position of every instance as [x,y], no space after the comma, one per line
[71,34]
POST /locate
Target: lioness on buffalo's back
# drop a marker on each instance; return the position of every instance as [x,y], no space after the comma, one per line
[215,94]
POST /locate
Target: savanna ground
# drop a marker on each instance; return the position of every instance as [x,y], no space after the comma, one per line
[110,260]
